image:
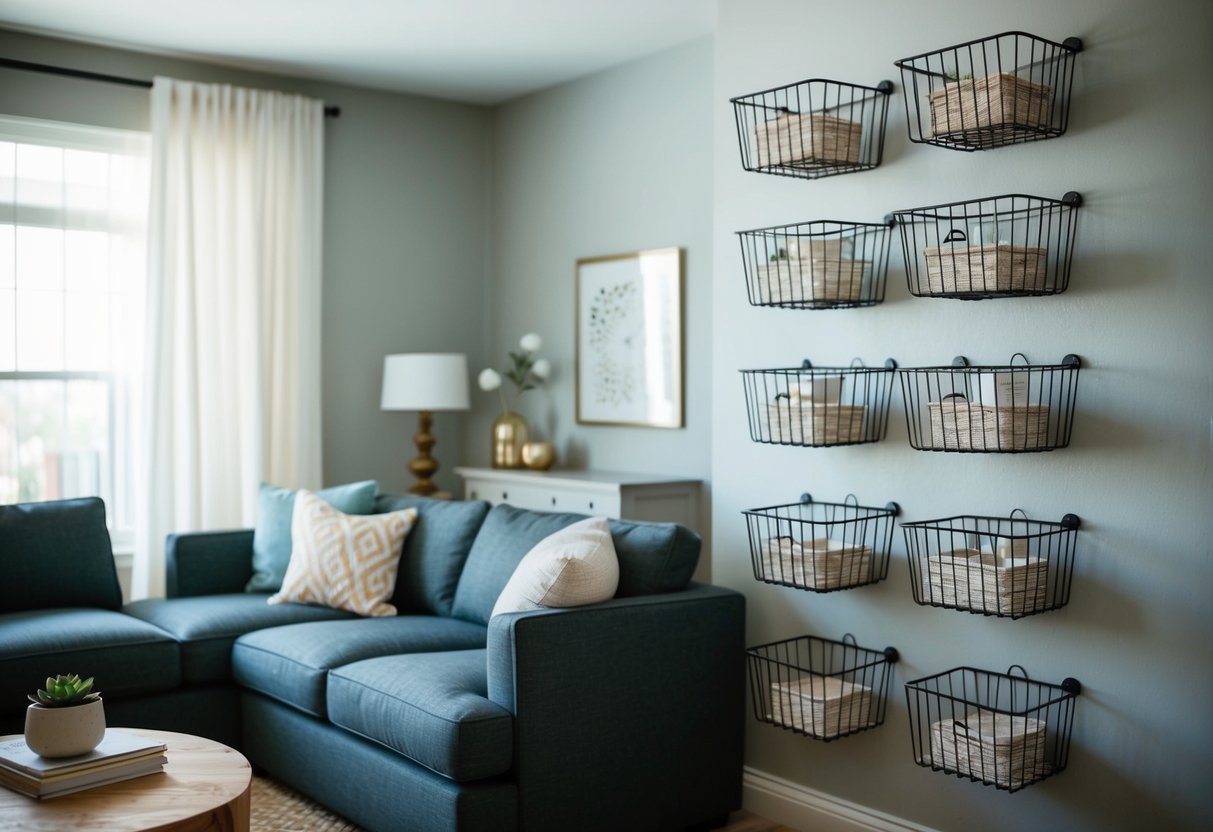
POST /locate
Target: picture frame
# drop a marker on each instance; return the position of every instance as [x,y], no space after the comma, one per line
[630,339]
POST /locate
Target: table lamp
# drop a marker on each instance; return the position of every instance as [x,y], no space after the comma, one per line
[425,382]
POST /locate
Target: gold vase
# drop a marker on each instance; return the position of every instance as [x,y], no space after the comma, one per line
[538,456]
[509,435]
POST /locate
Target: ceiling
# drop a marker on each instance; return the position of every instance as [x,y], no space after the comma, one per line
[477,51]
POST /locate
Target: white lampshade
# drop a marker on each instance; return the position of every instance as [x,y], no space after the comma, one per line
[425,381]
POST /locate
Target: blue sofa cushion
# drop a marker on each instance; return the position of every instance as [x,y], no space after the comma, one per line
[272,536]
[207,626]
[434,551]
[291,663]
[430,707]
[126,656]
[653,557]
[57,554]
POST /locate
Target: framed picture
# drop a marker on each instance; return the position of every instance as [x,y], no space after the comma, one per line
[629,339]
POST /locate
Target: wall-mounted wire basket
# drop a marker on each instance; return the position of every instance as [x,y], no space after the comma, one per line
[995,247]
[819,406]
[821,547]
[818,687]
[1014,408]
[1004,89]
[1001,729]
[824,264]
[813,129]
[1002,566]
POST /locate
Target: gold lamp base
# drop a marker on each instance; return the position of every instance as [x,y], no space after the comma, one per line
[424,466]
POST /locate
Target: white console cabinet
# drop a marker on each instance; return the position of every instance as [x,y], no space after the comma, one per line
[650,497]
[630,496]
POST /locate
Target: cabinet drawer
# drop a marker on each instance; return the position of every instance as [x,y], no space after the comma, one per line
[544,499]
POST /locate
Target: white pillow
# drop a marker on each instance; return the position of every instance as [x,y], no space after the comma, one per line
[569,568]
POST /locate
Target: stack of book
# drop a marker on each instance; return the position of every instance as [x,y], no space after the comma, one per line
[120,756]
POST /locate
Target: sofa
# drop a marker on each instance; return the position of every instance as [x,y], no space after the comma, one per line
[624,714]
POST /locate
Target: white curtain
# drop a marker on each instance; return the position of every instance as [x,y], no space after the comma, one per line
[232,365]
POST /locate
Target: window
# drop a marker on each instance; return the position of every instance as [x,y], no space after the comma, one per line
[73,208]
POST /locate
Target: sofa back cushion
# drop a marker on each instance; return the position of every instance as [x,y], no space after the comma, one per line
[435,550]
[653,557]
[57,554]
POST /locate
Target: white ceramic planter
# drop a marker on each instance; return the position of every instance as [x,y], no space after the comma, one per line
[64,732]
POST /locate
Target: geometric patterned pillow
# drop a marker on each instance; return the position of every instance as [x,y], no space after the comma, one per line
[346,561]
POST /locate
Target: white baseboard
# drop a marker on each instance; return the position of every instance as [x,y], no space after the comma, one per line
[800,807]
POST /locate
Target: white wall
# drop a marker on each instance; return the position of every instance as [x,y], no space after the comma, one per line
[1137,629]
[616,162]
[406,219]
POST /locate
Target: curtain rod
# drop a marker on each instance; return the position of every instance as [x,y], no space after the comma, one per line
[12,63]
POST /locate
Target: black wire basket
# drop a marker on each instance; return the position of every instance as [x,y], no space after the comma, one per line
[1001,729]
[820,688]
[1016,408]
[824,264]
[1004,89]
[819,406]
[995,247]
[1009,567]
[813,129]
[821,547]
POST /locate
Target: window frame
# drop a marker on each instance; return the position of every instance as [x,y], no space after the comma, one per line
[111,141]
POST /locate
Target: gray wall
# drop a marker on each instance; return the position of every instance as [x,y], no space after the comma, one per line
[616,162]
[1137,629]
[406,227]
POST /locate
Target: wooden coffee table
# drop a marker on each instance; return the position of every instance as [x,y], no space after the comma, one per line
[204,788]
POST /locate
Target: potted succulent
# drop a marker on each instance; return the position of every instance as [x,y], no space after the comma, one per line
[66,718]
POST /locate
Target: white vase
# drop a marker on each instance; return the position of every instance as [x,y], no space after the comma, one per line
[64,732]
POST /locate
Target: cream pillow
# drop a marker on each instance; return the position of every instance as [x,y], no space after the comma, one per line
[346,561]
[569,568]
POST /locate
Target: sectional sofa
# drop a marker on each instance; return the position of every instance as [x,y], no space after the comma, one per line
[623,715]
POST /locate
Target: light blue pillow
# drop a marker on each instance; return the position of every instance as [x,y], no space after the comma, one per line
[272,534]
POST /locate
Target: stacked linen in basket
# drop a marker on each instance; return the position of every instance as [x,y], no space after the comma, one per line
[817,564]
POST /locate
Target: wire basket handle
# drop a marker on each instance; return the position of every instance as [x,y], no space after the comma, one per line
[857,362]
[960,361]
[851,498]
[956,236]
[1026,362]
[1011,516]
[852,642]
[806,364]
[1011,670]
[806,498]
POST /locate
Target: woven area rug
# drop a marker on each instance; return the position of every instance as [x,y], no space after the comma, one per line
[277,808]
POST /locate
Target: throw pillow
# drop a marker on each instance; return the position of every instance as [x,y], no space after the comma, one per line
[344,561]
[272,535]
[569,568]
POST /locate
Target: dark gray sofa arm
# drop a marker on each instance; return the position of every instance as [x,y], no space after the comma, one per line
[643,697]
[208,563]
